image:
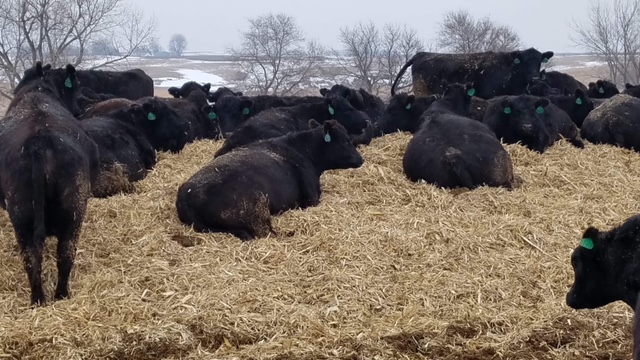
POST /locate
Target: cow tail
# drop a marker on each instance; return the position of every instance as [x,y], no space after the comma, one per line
[402,71]
[36,148]
[459,172]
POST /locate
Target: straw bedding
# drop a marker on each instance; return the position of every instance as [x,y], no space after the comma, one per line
[382,269]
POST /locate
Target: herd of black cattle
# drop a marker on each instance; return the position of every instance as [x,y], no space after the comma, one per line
[69,135]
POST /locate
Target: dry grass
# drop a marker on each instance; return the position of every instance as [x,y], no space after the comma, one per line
[382,269]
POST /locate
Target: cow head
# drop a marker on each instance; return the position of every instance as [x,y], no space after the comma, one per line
[354,96]
[602,89]
[231,112]
[595,283]
[187,88]
[336,150]
[222,92]
[525,64]
[340,109]
[632,90]
[164,127]
[403,113]
[520,119]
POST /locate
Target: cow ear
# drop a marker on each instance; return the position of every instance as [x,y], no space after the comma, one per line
[515,57]
[246,105]
[590,238]
[628,86]
[580,96]
[471,91]
[71,71]
[410,100]
[546,56]
[506,106]
[174,91]
[313,124]
[592,85]
[210,110]
[206,87]
[328,127]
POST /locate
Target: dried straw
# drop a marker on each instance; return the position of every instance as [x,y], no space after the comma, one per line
[383,268]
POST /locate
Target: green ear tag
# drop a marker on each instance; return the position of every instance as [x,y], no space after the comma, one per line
[213,115]
[68,83]
[245,111]
[516,61]
[587,243]
[540,110]
[408,107]
[601,90]
[545,60]
[327,138]
[151,116]
[471,92]
[507,110]
[331,111]
[579,101]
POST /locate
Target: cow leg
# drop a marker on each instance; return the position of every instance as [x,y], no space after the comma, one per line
[66,256]
[32,256]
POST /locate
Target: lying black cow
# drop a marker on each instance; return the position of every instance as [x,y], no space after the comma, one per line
[187,88]
[602,89]
[281,121]
[130,84]
[232,111]
[222,92]
[492,73]
[127,140]
[577,105]
[47,167]
[238,192]
[540,88]
[197,111]
[606,268]
[530,120]
[452,151]
[615,122]
[403,114]
[560,80]
[86,98]
[360,99]
[631,90]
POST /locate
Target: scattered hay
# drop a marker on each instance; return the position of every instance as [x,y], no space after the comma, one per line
[382,268]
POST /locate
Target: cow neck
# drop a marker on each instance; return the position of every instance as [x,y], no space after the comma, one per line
[309,145]
[316,111]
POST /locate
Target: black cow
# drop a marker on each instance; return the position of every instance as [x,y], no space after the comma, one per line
[128,139]
[615,122]
[359,99]
[47,167]
[631,90]
[456,99]
[403,114]
[130,84]
[606,268]
[560,80]
[63,79]
[492,73]
[187,88]
[231,111]
[452,151]
[222,92]
[521,119]
[577,105]
[281,121]
[197,111]
[238,192]
[602,89]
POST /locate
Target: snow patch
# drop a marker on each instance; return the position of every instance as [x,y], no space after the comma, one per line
[190,75]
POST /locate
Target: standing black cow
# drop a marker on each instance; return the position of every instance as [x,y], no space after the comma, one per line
[492,73]
[127,140]
[281,121]
[130,84]
[47,167]
[606,268]
[238,192]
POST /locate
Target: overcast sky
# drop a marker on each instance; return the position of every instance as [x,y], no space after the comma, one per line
[213,25]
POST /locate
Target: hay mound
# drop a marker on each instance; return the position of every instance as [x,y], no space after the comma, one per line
[383,268]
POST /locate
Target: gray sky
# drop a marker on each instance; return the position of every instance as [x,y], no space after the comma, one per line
[213,25]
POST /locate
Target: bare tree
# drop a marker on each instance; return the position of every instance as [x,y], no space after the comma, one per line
[61,31]
[177,44]
[460,32]
[398,46]
[374,57]
[275,56]
[613,33]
